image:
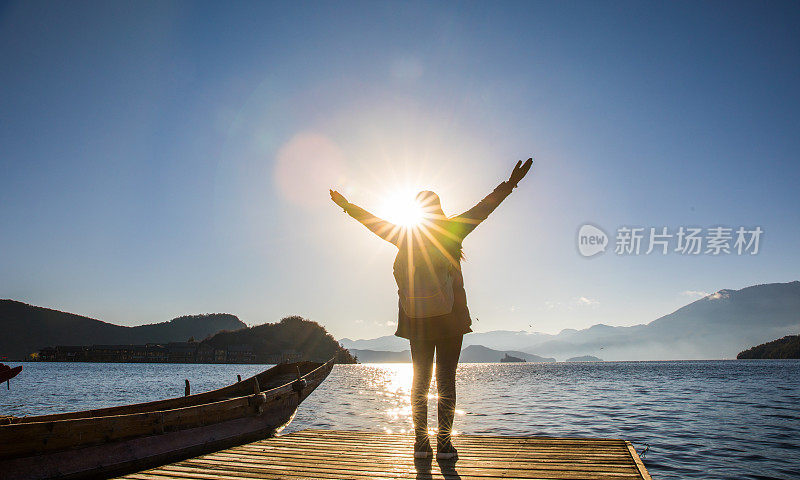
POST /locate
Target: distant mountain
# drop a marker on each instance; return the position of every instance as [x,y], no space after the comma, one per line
[783,348]
[481,354]
[471,354]
[25,329]
[717,326]
[381,356]
[387,343]
[585,358]
[504,339]
[497,339]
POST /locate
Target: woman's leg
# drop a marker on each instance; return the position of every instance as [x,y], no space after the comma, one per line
[447,352]
[422,359]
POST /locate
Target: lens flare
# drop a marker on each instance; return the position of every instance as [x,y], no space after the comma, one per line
[402,209]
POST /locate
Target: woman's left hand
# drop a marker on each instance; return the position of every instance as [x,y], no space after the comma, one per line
[520,171]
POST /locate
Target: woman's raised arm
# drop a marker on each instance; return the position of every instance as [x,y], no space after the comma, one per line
[467,221]
[380,227]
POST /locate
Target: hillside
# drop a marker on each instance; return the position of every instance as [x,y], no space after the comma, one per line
[471,354]
[496,339]
[307,339]
[783,348]
[584,358]
[717,326]
[386,343]
[381,356]
[27,329]
[481,354]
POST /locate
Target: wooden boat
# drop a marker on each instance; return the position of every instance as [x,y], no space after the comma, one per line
[116,440]
[7,373]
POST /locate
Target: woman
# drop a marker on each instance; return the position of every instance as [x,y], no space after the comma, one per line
[437,236]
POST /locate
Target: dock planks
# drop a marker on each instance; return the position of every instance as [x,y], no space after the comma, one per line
[332,454]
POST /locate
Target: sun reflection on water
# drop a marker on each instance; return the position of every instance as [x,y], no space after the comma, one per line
[392,383]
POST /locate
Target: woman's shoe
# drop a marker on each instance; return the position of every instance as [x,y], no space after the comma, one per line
[445,449]
[422,448]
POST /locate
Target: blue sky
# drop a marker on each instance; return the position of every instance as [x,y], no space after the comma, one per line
[165,158]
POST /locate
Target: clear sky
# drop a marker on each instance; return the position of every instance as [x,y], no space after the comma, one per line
[165,158]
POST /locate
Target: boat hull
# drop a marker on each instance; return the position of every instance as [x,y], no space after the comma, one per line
[273,409]
[7,373]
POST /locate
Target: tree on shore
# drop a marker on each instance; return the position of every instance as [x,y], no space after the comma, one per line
[307,338]
[783,348]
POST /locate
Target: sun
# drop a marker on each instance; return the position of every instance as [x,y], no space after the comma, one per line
[402,209]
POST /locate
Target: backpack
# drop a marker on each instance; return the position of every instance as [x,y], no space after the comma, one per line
[425,287]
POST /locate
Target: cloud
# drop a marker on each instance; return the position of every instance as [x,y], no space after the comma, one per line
[584,301]
[574,303]
[695,293]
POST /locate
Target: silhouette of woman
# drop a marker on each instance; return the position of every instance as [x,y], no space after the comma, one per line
[440,237]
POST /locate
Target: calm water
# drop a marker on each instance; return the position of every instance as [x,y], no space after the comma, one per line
[726,419]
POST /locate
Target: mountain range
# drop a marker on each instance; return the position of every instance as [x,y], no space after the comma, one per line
[471,354]
[717,326]
[26,329]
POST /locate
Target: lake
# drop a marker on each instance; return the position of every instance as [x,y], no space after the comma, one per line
[700,419]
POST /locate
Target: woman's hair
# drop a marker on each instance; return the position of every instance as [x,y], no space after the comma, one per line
[430,202]
[432,207]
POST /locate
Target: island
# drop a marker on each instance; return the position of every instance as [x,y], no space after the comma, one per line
[784,348]
[509,358]
[585,358]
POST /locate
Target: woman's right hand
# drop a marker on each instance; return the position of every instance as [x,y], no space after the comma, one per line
[338,198]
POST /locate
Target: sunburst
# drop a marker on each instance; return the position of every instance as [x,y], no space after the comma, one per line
[402,209]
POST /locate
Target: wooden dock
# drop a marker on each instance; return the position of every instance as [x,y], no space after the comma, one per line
[329,454]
